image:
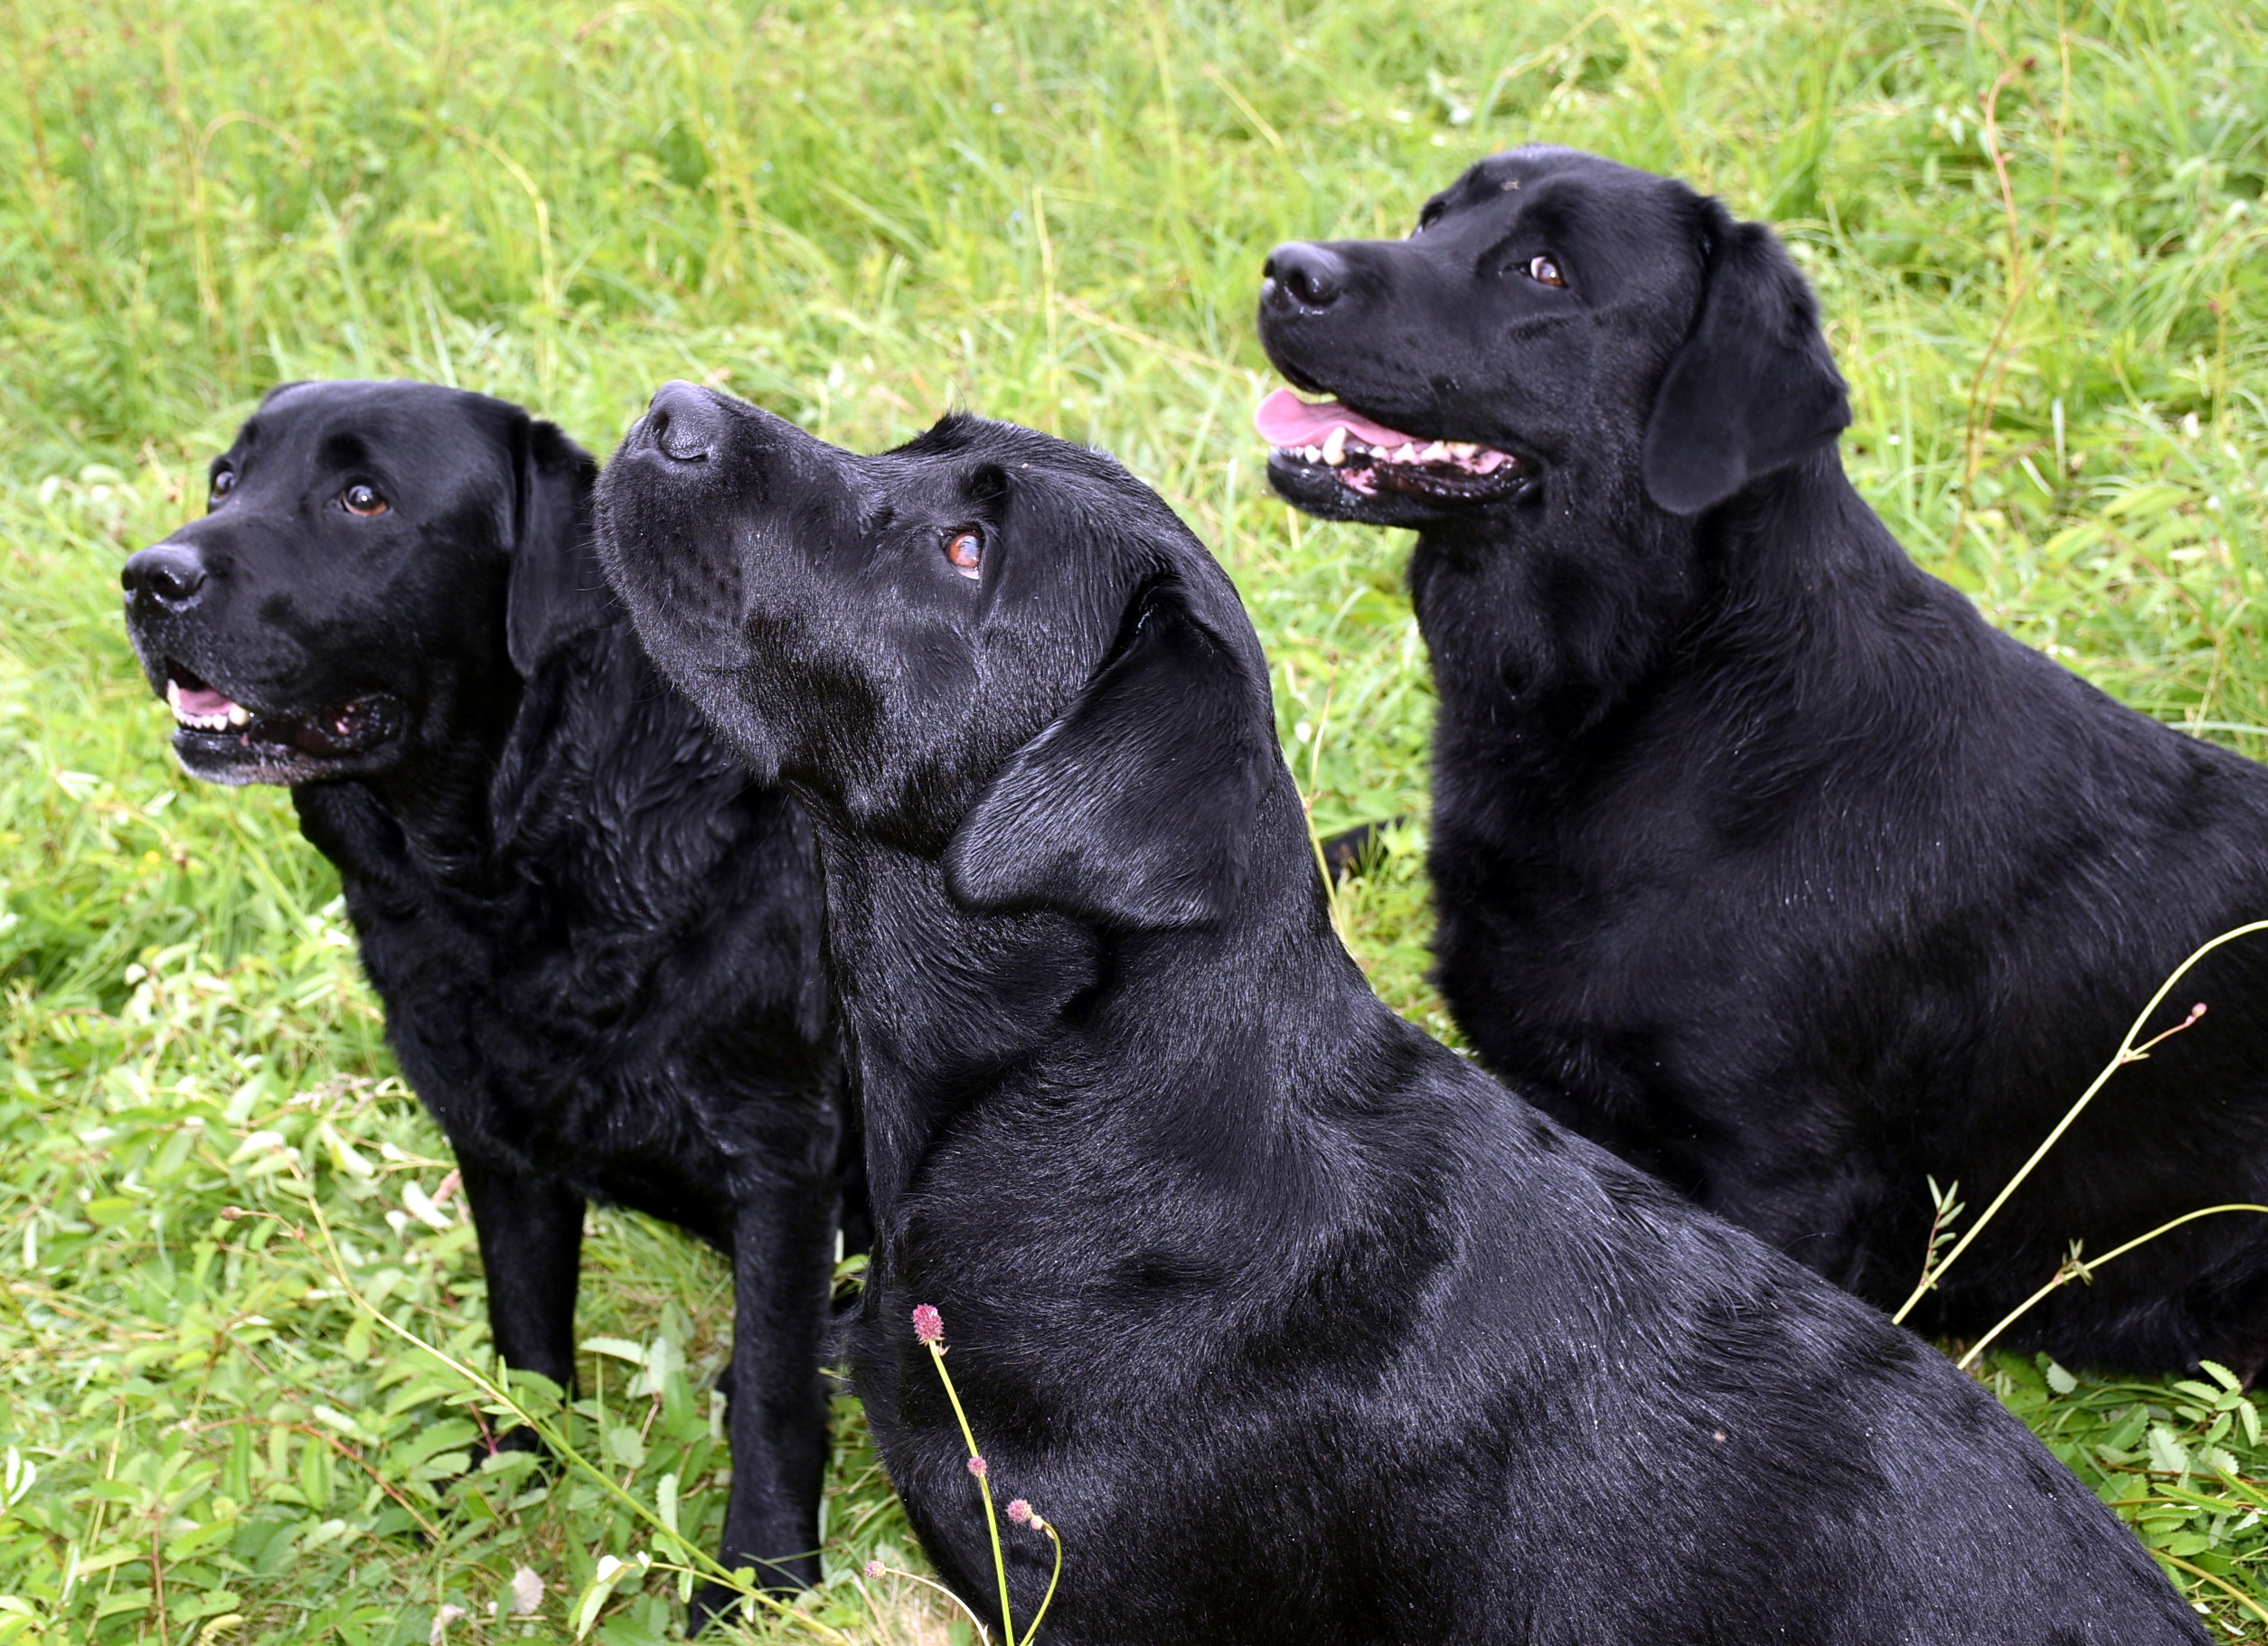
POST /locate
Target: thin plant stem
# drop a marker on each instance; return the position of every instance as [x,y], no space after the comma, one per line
[985,1484]
[2079,1268]
[2242,1599]
[1048,1599]
[2128,1052]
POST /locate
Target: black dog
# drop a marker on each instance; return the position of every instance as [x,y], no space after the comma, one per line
[1299,1327]
[1760,857]
[596,940]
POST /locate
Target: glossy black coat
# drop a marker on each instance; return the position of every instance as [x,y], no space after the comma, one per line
[1760,856]
[597,941]
[1301,1328]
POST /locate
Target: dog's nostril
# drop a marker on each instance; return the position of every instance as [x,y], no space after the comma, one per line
[171,574]
[684,421]
[1309,275]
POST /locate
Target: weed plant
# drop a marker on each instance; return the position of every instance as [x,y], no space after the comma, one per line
[2036,230]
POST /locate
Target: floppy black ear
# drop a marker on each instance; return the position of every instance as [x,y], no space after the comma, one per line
[1754,388]
[1137,807]
[556,589]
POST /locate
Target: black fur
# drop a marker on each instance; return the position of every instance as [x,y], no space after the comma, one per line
[1760,857]
[596,939]
[1299,1327]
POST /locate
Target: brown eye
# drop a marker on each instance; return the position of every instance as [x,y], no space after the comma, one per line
[364,500]
[1544,272]
[965,550]
[223,483]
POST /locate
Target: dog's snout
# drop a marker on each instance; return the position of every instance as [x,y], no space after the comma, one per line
[684,421]
[1304,274]
[171,574]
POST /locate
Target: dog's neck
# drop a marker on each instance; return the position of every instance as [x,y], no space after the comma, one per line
[945,1010]
[1550,633]
[433,812]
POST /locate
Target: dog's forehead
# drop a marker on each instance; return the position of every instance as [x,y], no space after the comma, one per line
[1521,179]
[966,459]
[423,428]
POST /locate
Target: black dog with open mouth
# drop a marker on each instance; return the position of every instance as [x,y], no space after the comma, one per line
[1759,856]
[1299,1327]
[596,940]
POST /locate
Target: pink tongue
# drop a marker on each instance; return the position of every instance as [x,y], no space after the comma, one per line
[1286,419]
[204,701]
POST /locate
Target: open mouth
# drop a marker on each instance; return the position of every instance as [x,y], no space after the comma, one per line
[219,729]
[1368,458]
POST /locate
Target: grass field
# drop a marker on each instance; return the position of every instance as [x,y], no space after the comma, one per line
[2037,232]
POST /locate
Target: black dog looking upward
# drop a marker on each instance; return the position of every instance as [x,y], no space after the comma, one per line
[1300,1327]
[597,941]
[1759,856]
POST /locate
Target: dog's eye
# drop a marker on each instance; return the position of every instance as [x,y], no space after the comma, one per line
[223,483]
[965,549]
[362,498]
[1544,272]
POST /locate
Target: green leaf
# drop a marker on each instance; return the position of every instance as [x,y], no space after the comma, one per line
[2166,1454]
[620,1349]
[624,1445]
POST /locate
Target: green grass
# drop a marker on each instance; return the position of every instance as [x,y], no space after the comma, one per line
[862,216]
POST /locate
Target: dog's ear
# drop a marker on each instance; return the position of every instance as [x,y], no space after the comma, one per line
[556,589]
[1754,388]
[1136,808]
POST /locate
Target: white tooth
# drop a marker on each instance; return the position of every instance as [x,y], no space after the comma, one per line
[1335,444]
[1435,453]
[1462,448]
[238,715]
[1404,453]
[1313,454]
[173,699]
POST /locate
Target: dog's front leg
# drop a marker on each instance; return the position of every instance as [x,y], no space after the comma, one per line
[530,1232]
[776,1415]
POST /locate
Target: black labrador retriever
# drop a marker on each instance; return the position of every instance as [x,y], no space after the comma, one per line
[1759,856]
[596,940]
[1300,1327]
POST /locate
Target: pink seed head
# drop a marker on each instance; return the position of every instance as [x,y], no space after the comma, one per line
[1019,1512]
[873,1568]
[928,1324]
[976,1467]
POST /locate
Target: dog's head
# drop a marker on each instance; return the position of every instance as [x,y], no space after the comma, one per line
[374,555]
[1554,323]
[987,645]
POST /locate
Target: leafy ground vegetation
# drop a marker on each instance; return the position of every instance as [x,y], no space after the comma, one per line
[2037,230]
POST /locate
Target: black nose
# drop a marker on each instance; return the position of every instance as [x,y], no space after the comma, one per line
[684,421]
[1302,274]
[171,574]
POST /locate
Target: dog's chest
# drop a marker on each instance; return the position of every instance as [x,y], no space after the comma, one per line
[638,1018]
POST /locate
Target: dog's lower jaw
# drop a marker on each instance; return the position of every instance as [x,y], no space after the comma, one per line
[1380,494]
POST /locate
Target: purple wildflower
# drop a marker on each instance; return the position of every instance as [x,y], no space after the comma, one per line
[1020,1511]
[928,1324]
[976,1467]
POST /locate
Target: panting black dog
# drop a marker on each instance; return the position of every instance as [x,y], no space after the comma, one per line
[1299,1327]
[1760,857]
[597,941]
